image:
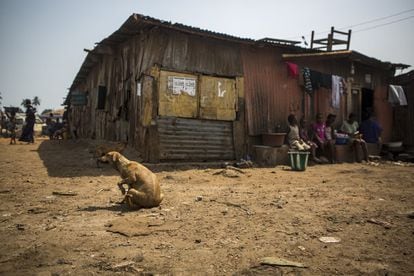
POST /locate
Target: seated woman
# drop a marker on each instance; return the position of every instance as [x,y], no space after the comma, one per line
[350,127]
[295,141]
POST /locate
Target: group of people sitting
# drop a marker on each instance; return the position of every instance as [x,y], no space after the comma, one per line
[320,137]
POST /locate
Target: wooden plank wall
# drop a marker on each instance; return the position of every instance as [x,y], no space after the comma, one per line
[128,116]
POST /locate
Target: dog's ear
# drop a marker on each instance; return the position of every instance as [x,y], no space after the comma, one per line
[115,156]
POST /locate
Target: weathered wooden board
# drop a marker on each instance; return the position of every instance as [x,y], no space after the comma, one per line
[218,98]
[177,94]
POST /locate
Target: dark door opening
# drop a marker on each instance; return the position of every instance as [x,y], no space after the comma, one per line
[367,103]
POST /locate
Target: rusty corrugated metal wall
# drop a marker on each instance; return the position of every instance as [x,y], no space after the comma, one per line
[192,139]
[270,94]
[273,95]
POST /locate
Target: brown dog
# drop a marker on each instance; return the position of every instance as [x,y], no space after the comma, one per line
[58,134]
[143,187]
[103,149]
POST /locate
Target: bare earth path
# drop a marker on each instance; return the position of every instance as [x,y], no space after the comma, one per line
[58,216]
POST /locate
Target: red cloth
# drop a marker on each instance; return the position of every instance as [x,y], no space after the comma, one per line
[293,69]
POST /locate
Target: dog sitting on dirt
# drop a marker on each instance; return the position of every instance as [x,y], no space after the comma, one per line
[143,187]
[58,134]
[103,149]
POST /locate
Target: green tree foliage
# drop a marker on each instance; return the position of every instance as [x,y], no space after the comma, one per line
[36,101]
[24,102]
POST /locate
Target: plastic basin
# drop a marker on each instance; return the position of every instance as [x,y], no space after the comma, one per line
[298,160]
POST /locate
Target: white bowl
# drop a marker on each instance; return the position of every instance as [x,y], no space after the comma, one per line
[395,144]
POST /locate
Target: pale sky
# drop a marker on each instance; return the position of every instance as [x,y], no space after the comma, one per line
[42,41]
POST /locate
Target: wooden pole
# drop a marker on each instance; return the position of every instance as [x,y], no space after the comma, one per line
[312,36]
[349,39]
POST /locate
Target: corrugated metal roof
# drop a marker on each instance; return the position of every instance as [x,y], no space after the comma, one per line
[352,55]
[138,23]
[404,78]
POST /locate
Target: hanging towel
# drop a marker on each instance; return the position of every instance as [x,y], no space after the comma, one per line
[307,80]
[337,90]
[316,79]
[293,69]
[396,95]
[326,81]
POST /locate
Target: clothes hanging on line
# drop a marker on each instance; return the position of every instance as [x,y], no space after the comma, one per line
[337,91]
[293,69]
[326,81]
[307,80]
[319,80]
[396,95]
[316,79]
[313,80]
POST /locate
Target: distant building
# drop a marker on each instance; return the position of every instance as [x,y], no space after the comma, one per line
[57,113]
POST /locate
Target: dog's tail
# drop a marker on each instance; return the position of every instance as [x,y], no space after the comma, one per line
[161,197]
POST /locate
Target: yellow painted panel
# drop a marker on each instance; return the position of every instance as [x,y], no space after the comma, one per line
[177,94]
[218,98]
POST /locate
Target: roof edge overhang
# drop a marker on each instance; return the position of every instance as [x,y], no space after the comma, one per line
[137,22]
[351,55]
[405,78]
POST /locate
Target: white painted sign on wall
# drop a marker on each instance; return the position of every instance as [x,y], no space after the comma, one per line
[138,89]
[179,85]
[221,92]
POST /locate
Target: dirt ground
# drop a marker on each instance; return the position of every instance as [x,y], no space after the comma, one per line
[59,215]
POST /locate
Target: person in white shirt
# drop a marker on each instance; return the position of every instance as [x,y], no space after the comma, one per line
[351,127]
[296,142]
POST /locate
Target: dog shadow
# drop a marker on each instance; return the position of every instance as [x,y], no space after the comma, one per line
[70,159]
[119,208]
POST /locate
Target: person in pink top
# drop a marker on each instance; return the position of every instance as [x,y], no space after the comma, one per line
[319,137]
[318,130]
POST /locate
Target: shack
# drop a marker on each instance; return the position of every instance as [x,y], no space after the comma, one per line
[176,92]
[404,114]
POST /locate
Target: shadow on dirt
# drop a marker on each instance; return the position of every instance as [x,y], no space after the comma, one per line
[113,208]
[72,158]
[69,158]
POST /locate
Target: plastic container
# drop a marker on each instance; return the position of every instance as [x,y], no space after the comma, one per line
[298,160]
[394,144]
[273,139]
[341,140]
